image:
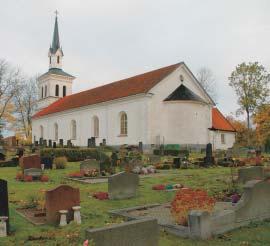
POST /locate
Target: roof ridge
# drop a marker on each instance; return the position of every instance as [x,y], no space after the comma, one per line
[132,77]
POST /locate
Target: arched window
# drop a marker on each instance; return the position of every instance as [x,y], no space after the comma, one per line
[42,92]
[73,129]
[96,126]
[123,123]
[45,90]
[41,132]
[58,59]
[55,131]
[64,90]
[57,90]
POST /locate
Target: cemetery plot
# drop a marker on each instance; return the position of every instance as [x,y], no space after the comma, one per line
[62,198]
[253,206]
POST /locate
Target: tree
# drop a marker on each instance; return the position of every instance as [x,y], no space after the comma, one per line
[207,80]
[25,101]
[262,121]
[9,80]
[251,84]
[244,137]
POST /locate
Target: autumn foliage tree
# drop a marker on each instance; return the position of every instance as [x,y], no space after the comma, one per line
[242,132]
[262,121]
[251,84]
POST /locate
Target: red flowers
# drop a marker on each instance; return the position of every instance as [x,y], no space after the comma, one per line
[76,175]
[188,199]
[101,195]
[44,178]
[28,178]
[158,187]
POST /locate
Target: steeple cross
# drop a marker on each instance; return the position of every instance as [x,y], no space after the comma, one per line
[56,13]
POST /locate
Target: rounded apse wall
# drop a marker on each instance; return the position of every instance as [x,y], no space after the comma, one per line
[186,122]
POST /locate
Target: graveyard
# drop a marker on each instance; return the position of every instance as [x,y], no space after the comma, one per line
[64,210]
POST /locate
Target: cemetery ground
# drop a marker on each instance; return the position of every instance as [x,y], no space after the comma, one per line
[95,212]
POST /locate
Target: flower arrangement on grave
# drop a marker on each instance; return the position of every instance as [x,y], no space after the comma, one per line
[91,173]
[27,178]
[76,175]
[101,195]
[44,178]
[189,199]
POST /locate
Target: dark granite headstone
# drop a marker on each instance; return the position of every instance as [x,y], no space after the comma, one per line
[61,143]
[4,210]
[93,141]
[89,142]
[176,162]
[45,143]
[209,155]
[50,143]
[104,142]
[54,145]
[141,147]
[36,143]
[69,143]
[41,141]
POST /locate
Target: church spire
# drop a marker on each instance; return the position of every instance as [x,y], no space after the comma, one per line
[56,40]
[55,51]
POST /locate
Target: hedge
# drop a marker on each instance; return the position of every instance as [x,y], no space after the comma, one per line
[74,154]
[10,163]
[172,152]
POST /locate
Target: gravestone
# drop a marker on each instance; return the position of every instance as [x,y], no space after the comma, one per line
[61,143]
[143,232]
[34,172]
[176,162]
[250,173]
[31,161]
[140,148]
[103,142]
[36,143]
[209,155]
[93,142]
[89,165]
[89,142]
[4,210]
[41,141]
[69,144]
[45,143]
[54,145]
[63,197]
[123,185]
[50,143]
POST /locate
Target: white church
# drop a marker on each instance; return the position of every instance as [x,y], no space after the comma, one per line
[164,106]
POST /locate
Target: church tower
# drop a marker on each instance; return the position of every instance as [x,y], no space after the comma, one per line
[55,83]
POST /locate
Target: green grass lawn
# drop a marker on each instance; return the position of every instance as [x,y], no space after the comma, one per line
[94,212]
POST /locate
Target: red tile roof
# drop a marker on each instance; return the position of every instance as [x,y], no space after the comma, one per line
[219,122]
[123,88]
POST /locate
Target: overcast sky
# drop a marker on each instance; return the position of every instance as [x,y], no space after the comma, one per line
[107,40]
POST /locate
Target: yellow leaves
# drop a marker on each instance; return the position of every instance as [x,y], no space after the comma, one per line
[262,121]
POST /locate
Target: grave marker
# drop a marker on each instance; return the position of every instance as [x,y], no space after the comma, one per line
[123,185]
[63,197]
[31,161]
[4,209]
